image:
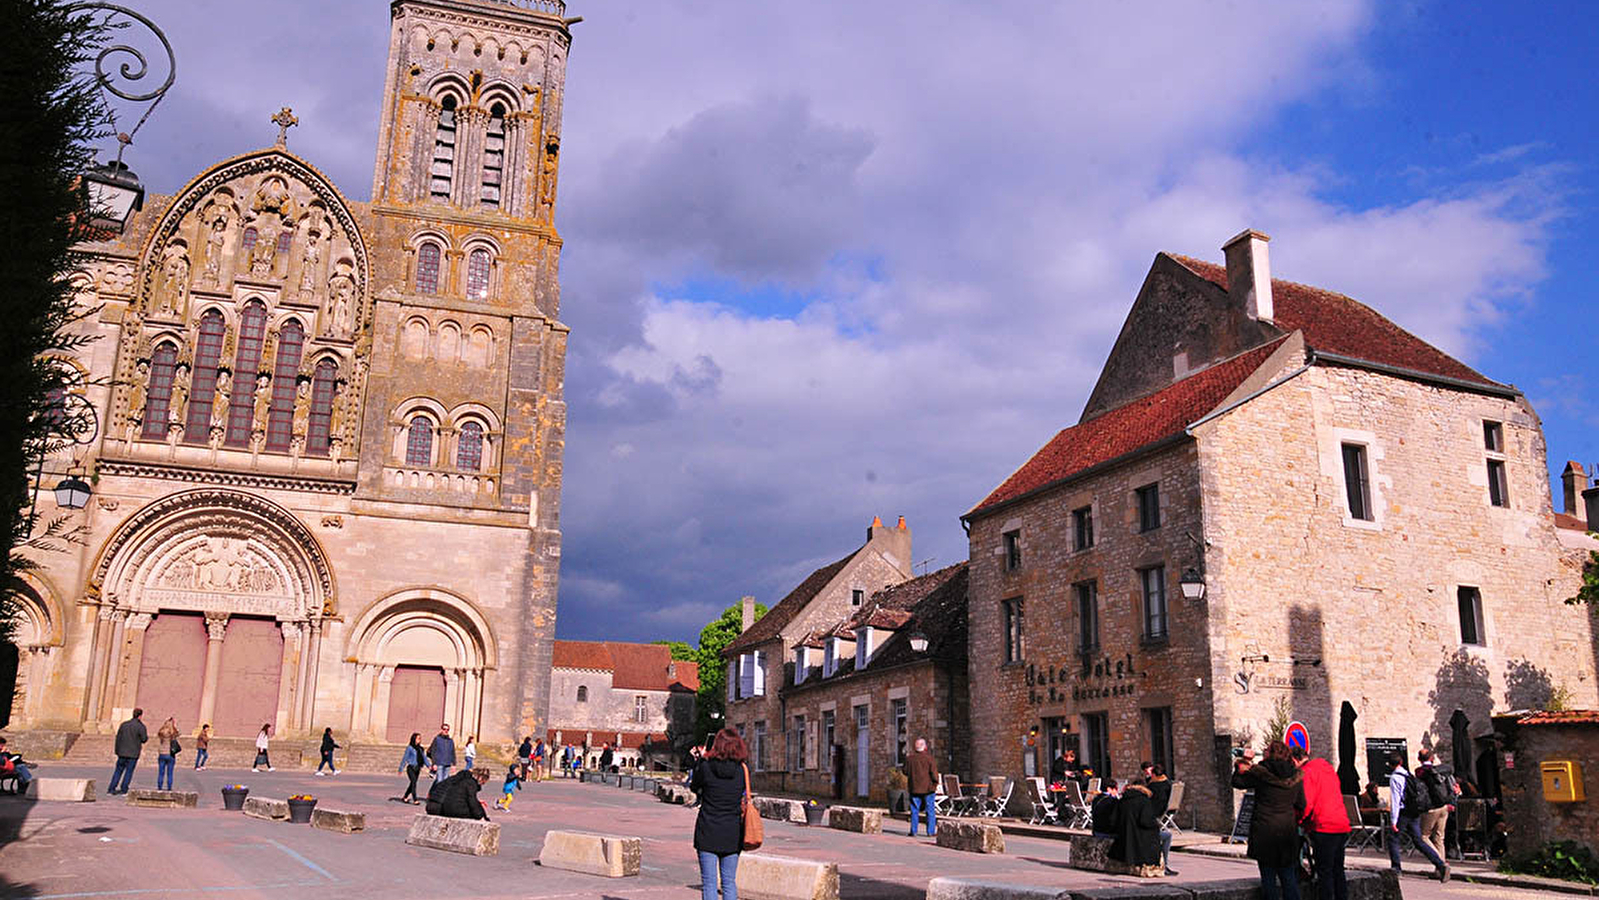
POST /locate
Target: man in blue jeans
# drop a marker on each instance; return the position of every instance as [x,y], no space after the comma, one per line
[1404,816]
[441,753]
[131,736]
[921,776]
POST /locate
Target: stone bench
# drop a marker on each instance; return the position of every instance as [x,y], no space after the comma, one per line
[592,854]
[338,820]
[978,889]
[167,799]
[780,809]
[474,837]
[70,790]
[1093,854]
[973,837]
[262,808]
[855,818]
[762,877]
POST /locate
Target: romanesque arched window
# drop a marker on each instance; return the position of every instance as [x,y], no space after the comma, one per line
[285,241]
[419,442]
[469,447]
[280,419]
[250,236]
[158,400]
[427,268]
[477,274]
[582,693]
[324,386]
[203,386]
[241,405]
[493,157]
[443,153]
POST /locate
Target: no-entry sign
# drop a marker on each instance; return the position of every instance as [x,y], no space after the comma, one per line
[1297,735]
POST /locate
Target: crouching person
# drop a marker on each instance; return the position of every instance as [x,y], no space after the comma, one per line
[457,795]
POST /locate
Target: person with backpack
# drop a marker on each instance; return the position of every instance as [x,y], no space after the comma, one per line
[1442,792]
[1407,801]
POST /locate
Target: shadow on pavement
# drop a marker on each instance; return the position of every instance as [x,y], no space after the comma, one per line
[13,813]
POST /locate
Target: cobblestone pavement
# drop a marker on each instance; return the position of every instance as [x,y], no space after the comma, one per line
[109,850]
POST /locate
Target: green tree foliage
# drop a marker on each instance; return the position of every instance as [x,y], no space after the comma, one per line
[1282,715]
[682,650]
[714,638]
[52,114]
[1589,591]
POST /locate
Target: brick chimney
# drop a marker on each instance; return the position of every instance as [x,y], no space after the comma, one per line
[1572,481]
[746,614]
[1249,273]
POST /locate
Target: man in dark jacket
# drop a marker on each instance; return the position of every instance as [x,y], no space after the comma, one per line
[1137,832]
[921,777]
[1160,801]
[457,795]
[606,757]
[441,754]
[1103,812]
[131,736]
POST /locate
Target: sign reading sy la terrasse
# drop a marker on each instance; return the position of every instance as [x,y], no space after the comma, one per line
[1096,679]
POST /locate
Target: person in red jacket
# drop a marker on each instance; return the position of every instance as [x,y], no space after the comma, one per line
[1326,823]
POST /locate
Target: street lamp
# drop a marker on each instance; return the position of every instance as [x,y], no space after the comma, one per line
[1192,584]
[919,642]
[72,493]
[114,195]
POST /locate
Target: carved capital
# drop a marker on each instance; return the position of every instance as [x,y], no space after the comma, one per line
[216,625]
[385,674]
[140,621]
[292,631]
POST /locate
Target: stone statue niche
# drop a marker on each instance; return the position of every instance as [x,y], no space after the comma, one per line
[317,238]
[215,221]
[273,213]
[171,296]
[339,314]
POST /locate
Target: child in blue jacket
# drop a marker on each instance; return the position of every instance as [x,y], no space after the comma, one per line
[513,783]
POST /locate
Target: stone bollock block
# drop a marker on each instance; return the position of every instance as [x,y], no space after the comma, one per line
[474,837]
[71,790]
[780,809]
[592,854]
[168,799]
[1093,854]
[338,820]
[978,889]
[855,818]
[763,877]
[263,808]
[973,837]
[1228,889]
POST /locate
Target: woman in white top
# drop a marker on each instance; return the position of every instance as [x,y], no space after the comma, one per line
[471,750]
[261,758]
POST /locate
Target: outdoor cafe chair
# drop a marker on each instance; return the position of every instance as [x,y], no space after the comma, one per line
[1077,807]
[1471,826]
[959,802]
[994,807]
[1094,784]
[1043,812]
[1173,807]
[1361,835]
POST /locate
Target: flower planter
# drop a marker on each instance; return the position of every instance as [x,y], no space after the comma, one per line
[815,814]
[300,811]
[234,799]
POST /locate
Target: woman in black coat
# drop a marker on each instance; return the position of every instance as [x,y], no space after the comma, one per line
[1274,831]
[720,781]
[1136,830]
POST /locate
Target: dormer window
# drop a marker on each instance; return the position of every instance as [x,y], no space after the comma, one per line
[864,638]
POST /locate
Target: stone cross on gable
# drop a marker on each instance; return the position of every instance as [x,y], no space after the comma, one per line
[284,120]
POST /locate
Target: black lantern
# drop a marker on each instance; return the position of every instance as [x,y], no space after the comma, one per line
[72,493]
[919,642]
[1192,584]
[114,194]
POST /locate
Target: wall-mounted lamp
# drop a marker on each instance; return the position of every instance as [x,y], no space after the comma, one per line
[1257,657]
[918,642]
[1192,584]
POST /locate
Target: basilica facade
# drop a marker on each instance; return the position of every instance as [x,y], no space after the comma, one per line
[327,459]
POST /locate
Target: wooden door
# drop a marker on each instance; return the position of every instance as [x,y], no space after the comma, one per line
[172,670]
[863,763]
[416,703]
[247,687]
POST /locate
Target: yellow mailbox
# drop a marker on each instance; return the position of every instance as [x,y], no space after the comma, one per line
[1562,781]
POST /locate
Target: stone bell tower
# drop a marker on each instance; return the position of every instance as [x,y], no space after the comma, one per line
[465,410]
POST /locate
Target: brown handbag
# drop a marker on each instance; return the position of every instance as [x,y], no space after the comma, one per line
[754,832]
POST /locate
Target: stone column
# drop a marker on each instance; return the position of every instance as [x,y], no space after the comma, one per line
[473,702]
[308,671]
[452,697]
[126,661]
[99,654]
[287,674]
[216,627]
[380,702]
[361,703]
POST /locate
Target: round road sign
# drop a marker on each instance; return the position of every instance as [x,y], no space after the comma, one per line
[1297,735]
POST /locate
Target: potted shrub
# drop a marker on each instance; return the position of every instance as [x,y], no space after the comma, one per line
[814,812]
[898,791]
[300,806]
[233,796]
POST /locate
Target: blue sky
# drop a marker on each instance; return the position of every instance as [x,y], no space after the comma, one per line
[836,260]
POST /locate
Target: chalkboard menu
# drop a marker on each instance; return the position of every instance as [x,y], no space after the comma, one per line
[1377,750]
[1245,818]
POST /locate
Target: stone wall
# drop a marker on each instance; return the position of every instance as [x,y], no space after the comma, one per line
[1534,821]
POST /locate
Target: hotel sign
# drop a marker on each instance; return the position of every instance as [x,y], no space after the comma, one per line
[1096,679]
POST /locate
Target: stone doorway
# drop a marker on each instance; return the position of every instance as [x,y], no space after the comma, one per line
[247,685]
[9,658]
[172,669]
[416,703]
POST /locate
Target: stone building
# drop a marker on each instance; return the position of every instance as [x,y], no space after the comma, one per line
[634,697]
[327,472]
[860,690]
[757,658]
[1536,810]
[1364,517]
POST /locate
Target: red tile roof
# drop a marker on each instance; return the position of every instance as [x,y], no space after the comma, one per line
[688,676]
[1567,717]
[644,667]
[1131,426]
[1570,522]
[1334,323]
[771,625]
